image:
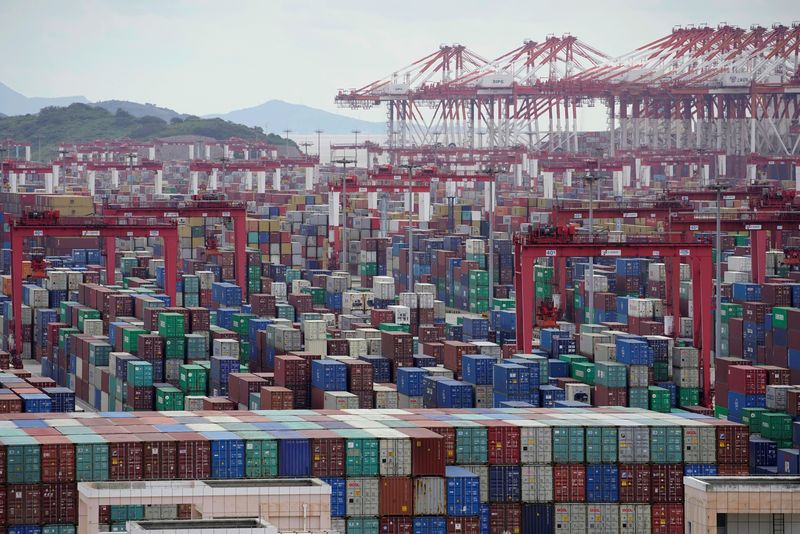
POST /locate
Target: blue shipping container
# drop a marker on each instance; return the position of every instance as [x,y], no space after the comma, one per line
[338,495]
[227,454]
[329,375]
[294,454]
[430,525]
[505,483]
[463,492]
[410,381]
[477,369]
[602,483]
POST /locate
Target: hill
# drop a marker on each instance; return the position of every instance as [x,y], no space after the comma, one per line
[14,103]
[279,115]
[139,110]
[81,122]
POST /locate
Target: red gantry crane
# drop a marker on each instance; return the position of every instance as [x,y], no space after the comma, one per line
[34,224]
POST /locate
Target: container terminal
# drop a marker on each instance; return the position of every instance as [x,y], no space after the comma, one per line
[493,322]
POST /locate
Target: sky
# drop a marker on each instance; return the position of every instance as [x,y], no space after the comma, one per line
[211,56]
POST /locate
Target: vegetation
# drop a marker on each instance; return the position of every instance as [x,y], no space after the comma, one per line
[82,123]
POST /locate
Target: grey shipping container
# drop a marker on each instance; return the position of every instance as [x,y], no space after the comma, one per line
[429,496]
[699,444]
[536,445]
[634,445]
[638,376]
[395,457]
[634,519]
[537,483]
[339,525]
[483,396]
[483,473]
[570,518]
[602,518]
[362,496]
[686,377]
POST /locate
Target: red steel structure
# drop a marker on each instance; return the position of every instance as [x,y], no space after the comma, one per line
[697,255]
[234,210]
[108,229]
[718,88]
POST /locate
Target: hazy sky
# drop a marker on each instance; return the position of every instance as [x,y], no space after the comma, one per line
[204,56]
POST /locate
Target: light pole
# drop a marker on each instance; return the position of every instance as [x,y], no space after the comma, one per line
[410,167]
[319,144]
[356,132]
[491,171]
[287,131]
[591,179]
[344,162]
[719,188]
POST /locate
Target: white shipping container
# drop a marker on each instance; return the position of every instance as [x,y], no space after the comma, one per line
[362,496]
[641,308]
[357,347]
[605,352]
[278,289]
[776,397]
[93,327]
[383,287]
[475,246]
[394,455]
[600,282]
[699,444]
[634,519]
[537,483]
[315,329]
[686,327]
[439,371]
[740,263]
[731,277]
[536,443]
[406,401]
[298,285]
[421,287]
[385,396]
[657,272]
[429,496]
[340,400]
[686,378]
[409,300]
[602,518]
[688,357]
[570,518]
[317,346]
[226,347]
[578,392]
[425,300]
[56,280]
[402,315]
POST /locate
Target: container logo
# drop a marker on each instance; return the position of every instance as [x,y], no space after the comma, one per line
[550,252]
[684,252]
[752,227]
[630,215]
[90,233]
[611,252]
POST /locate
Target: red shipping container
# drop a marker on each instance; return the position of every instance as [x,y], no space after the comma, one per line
[292,370]
[327,453]
[160,456]
[667,518]
[505,518]
[59,503]
[747,379]
[397,525]
[194,456]
[793,402]
[58,459]
[10,403]
[453,352]
[732,442]
[396,496]
[359,375]
[777,376]
[218,404]
[733,470]
[666,483]
[569,483]
[449,435]
[428,456]
[606,396]
[634,483]
[125,454]
[504,441]
[24,504]
[3,514]
[464,525]
[276,398]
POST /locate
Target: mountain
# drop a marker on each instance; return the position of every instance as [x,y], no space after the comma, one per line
[14,103]
[82,122]
[139,110]
[279,115]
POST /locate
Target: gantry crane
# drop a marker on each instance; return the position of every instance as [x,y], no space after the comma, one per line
[50,224]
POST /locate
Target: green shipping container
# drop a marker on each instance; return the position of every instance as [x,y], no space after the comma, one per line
[730,310]
[639,398]
[362,453]
[572,359]
[471,445]
[175,348]
[666,444]
[261,455]
[363,525]
[193,379]
[171,325]
[776,426]
[661,372]
[583,371]
[58,529]
[478,278]
[611,374]
[544,290]
[86,313]
[542,273]
[504,304]
[752,418]
[601,444]
[130,339]
[568,445]
[659,399]
[168,398]
[720,411]
[688,397]
[140,373]
[23,460]
[780,317]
